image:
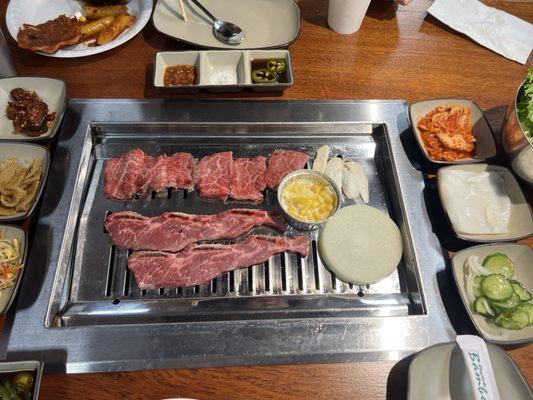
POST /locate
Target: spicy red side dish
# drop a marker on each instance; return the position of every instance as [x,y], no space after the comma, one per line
[446,133]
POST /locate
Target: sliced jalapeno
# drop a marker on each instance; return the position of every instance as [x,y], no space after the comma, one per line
[277,66]
[264,76]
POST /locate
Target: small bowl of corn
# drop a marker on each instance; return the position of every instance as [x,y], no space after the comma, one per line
[308,199]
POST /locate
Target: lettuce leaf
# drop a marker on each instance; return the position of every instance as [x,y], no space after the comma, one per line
[524,107]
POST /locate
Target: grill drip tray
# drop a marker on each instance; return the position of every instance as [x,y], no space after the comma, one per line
[102,290]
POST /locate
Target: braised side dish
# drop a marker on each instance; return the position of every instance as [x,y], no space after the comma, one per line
[182,74]
[447,133]
[28,112]
[18,185]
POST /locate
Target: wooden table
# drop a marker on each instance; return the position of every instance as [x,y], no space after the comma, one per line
[398,53]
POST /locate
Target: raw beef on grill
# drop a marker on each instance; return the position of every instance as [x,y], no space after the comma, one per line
[120,175]
[282,163]
[135,172]
[198,264]
[212,176]
[175,231]
[247,179]
[173,171]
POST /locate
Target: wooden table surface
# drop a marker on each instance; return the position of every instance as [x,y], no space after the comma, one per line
[398,53]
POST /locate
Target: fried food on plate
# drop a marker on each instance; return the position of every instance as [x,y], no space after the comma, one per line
[95,27]
[119,25]
[95,13]
[50,36]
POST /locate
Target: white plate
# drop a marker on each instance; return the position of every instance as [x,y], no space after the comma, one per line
[26,153]
[438,373]
[7,295]
[38,11]
[52,91]
[522,256]
[266,23]
[520,218]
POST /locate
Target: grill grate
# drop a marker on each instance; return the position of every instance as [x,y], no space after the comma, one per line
[100,277]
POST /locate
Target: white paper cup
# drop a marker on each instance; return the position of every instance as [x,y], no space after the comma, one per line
[345,16]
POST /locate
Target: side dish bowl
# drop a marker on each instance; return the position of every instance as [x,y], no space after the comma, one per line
[52,91]
[520,223]
[522,257]
[7,295]
[438,372]
[485,146]
[35,368]
[26,153]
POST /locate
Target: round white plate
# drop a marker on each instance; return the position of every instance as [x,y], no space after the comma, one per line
[266,23]
[38,11]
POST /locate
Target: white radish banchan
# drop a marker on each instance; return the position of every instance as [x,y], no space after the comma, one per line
[360,244]
[347,175]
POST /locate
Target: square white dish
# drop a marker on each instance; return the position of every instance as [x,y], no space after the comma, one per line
[266,24]
[52,91]
[26,153]
[520,220]
[522,257]
[212,65]
[11,232]
[485,145]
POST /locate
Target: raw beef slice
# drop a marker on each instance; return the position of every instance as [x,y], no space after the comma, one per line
[212,176]
[281,163]
[247,179]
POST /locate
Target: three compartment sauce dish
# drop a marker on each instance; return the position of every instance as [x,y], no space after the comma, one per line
[223,71]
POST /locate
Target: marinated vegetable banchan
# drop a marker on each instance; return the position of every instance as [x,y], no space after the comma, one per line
[446,133]
[17,385]
[309,198]
[267,70]
[18,185]
[10,262]
[495,294]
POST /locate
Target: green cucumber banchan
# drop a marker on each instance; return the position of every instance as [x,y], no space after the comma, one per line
[494,293]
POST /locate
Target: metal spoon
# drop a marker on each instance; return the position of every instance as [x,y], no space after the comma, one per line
[224,31]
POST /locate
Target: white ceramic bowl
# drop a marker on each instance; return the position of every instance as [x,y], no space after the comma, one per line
[438,373]
[52,91]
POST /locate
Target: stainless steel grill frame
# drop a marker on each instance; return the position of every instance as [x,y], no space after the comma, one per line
[104,323]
